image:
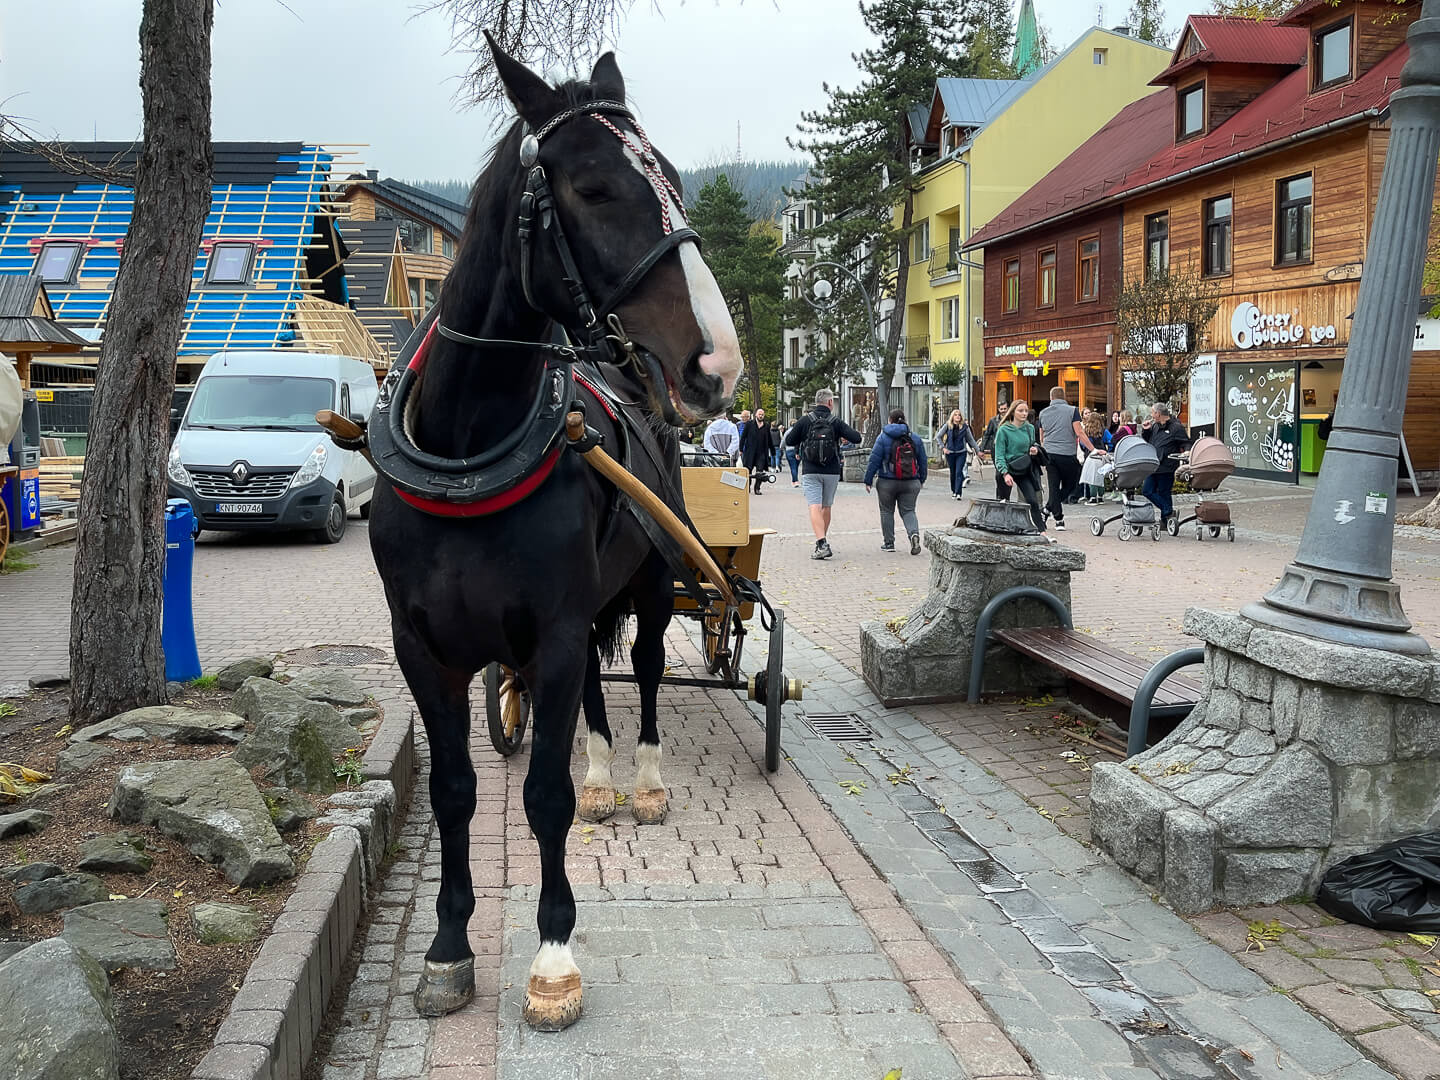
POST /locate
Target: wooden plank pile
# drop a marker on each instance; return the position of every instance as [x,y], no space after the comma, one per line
[60,477]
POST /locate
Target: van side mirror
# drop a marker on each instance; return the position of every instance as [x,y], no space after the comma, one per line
[174,414]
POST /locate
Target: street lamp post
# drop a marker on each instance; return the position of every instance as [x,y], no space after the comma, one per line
[1339,587]
[821,296]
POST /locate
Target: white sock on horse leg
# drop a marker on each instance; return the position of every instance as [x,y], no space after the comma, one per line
[647,767]
[600,754]
[554,960]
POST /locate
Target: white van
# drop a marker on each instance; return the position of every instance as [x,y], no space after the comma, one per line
[249,454]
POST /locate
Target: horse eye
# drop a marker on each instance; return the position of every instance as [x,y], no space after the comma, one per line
[592,193]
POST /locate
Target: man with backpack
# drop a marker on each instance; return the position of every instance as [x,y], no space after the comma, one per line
[817,436]
[899,458]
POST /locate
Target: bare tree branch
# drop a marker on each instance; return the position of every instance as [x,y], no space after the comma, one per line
[16,136]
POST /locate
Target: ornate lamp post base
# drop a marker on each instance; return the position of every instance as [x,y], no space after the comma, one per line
[1358,611]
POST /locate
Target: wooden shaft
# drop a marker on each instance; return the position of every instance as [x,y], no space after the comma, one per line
[342,427]
[651,503]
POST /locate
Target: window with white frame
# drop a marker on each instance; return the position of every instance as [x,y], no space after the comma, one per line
[920,245]
[950,319]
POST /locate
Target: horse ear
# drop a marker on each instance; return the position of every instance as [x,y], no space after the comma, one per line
[534,99]
[606,80]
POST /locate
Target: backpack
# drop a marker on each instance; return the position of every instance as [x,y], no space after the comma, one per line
[819,445]
[906,467]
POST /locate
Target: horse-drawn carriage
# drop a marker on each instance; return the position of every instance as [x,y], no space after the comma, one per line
[717,500]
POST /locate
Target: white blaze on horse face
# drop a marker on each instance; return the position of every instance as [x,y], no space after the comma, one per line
[554,961]
[647,767]
[720,351]
[600,754]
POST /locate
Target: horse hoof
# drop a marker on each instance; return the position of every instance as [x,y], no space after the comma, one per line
[650,806]
[552,1003]
[443,988]
[596,803]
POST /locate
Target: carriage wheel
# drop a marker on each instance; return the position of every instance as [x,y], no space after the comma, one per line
[774,692]
[507,708]
[715,630]
[1096,526]
[4,532]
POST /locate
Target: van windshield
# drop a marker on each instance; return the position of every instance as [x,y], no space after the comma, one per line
[268,402]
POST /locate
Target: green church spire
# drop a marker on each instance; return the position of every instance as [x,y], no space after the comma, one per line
[1027,41]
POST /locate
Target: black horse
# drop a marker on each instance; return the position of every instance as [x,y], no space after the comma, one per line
[575,218]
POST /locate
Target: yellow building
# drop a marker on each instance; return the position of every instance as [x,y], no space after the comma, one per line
[985,143]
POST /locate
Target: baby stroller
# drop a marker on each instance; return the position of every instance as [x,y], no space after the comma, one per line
[1133,460]
[1204,468]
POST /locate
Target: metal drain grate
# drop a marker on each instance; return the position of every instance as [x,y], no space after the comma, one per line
[838,727]
[333,656]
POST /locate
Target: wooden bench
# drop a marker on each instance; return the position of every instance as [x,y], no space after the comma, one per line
[1148,690]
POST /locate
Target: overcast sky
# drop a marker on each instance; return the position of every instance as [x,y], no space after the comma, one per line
[375,72]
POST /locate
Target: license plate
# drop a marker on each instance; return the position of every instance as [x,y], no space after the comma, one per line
[239,508]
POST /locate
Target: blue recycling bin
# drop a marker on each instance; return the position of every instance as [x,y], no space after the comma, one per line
[177,624]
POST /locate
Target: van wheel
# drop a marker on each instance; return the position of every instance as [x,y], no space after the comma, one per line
[334,522]
[365,510]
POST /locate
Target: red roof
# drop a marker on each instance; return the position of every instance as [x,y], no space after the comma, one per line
[1227,39]
[1094,169]
[1104,170]
[1283,113]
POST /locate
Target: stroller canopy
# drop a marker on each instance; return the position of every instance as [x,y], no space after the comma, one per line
[1210,462]
[1135,459]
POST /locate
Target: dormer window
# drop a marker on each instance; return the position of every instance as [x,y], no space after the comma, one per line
[1191,111]
[952,139]
[1331,54]
[229,264]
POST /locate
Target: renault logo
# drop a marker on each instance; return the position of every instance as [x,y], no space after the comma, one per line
[240,473]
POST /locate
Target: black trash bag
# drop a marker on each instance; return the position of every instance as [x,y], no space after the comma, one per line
[1395,887]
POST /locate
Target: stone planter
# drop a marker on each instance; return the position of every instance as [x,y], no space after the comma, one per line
[852,464]
[925,657]
[1300,754]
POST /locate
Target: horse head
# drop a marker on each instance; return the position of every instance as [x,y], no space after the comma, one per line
[604,208]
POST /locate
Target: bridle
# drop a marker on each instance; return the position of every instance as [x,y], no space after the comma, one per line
[505,473]
[596,325]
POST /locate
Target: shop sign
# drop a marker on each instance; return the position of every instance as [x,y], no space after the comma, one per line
[1427,334]
[1169,339]
[1251,328]
[1031,367]
[1202,391]
[1035,347]
[1260,420]
[921,378]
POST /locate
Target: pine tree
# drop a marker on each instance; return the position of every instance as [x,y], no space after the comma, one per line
[990,41]
[1252,9]
[861,147]
[1147,22]
[743,254]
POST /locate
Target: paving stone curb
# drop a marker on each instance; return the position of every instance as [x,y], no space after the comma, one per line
[278,1011]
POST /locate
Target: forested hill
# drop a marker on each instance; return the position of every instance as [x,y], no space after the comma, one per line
[763,182]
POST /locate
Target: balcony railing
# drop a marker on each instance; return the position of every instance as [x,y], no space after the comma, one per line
[915,349]
[944,259]
[798,242]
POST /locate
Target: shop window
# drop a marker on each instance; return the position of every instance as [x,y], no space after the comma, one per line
[950,319]
[1218,237]
[1191,111]
[417,236]
[1294,219]
[1045,279]
[1011,291]
[58,261]
[447,246]
[1004,394]
[1087,275]
[432,293]
[1157,243]
[1332,54]
[229,264]
[1258,418]
[415,285]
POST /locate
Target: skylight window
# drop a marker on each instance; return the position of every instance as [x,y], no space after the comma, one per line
[230,264]
[58,262]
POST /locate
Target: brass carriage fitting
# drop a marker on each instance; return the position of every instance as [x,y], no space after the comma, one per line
[753,689]
[794,690]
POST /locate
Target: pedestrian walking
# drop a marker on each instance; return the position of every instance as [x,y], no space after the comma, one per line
[956,441]
[816,436]
[1061,435]
[1092,485]
[987,448]
[776,434]
[1017,457]
[755,448]
[1169,437]
[722,437]
[897,467]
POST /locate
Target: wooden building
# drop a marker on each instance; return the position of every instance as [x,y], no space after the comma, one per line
[1053,269]
[1273,136]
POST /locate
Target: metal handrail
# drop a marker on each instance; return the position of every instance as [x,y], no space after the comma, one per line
[916,348]
[987,615]
[1145,694]
[942,261]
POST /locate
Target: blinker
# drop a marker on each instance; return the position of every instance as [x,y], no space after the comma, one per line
[529,150]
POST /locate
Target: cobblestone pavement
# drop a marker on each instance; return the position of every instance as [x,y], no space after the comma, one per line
[857,901]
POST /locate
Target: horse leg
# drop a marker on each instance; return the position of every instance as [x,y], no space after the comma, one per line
[653,610]
[553,995]
[597,795]
[443,698]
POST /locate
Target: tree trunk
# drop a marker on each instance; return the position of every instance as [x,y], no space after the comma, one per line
[886,374]
[1428,515]
[116,661]
[752,361]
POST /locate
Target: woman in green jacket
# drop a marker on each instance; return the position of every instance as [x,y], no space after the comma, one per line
[1015,441]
